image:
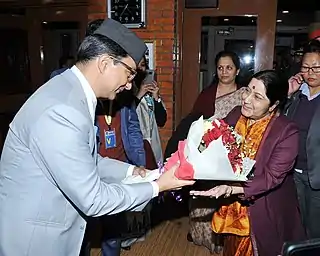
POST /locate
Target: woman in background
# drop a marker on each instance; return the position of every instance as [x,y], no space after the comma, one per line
[151,113]
[224,92]
[304,110]
[216,101]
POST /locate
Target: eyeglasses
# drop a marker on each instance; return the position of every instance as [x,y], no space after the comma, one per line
[133,73]
[315,69]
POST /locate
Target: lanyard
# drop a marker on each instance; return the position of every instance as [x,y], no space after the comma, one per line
[150,105]
[108,117]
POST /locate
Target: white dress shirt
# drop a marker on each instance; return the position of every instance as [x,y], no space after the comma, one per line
[92,104]
[305,91]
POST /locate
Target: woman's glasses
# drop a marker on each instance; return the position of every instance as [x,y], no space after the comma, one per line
[315,69]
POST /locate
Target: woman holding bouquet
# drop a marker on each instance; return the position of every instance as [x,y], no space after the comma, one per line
[262,213]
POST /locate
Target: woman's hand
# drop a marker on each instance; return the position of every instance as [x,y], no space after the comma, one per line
[295,83]
[154,90]
[222,190]
[151,88]
[143,90]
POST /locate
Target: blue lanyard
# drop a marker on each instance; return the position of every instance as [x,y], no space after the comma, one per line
[150,105]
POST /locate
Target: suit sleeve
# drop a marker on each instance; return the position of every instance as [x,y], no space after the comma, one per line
[105,164]
[280,163]
[59,143]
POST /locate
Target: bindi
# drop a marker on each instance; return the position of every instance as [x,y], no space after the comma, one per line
[253,87]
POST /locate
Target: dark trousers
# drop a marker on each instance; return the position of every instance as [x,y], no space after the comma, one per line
[110,246]
[309,200]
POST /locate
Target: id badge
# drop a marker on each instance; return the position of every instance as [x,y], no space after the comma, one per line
[110,139]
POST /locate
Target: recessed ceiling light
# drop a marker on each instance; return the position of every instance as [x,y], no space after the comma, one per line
[226,19]
[285,11]
[279,21]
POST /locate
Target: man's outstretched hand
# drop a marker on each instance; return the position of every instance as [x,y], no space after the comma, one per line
[168,180]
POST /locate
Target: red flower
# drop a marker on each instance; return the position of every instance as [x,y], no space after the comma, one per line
[228,140]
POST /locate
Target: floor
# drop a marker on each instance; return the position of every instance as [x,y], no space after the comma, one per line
[168,236]
[167,239]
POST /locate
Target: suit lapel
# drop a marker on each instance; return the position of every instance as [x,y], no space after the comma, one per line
[79,100]
[95,151]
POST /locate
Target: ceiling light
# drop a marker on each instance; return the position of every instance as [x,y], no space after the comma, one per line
[279,21]
[226,19]
[285,11]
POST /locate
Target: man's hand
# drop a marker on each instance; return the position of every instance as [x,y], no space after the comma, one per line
[139,171]
[168,181]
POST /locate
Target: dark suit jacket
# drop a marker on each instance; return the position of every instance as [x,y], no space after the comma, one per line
[273,211]
[313,140]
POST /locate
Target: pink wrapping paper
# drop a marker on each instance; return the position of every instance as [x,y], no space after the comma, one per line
[185,171]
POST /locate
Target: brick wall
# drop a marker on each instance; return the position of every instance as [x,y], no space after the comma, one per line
[161,30]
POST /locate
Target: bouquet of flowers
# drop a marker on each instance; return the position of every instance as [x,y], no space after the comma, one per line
[211,152]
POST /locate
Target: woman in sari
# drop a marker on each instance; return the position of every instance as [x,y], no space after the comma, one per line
[216,101]
[262,213]
[224,93]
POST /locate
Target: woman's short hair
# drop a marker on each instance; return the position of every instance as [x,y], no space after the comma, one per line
[312,47]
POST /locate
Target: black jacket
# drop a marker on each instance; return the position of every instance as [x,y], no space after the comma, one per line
[313,140]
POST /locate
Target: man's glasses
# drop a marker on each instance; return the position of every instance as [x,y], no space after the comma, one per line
[315,69]
[133,73]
